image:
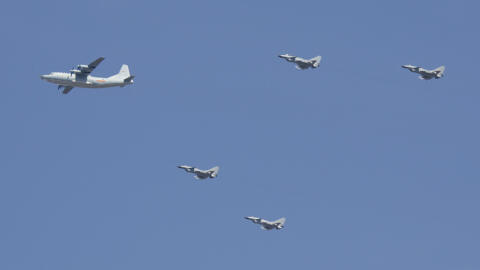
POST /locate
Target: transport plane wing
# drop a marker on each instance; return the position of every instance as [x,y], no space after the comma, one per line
[67,89]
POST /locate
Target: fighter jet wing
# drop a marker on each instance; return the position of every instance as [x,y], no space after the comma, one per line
[95,63]
[185,167]
[425,77]
[301,65]
[67,89]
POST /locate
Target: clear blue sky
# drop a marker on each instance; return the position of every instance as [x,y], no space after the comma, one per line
[373,168]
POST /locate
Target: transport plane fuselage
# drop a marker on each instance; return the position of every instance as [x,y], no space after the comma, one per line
[76,80]
[80,77]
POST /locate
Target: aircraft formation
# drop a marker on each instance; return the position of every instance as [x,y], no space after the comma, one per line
[80,77]
[213,173]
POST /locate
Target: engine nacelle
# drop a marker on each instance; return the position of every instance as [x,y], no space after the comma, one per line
[84,68]
[75,71]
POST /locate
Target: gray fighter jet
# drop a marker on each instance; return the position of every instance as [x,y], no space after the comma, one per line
[302,63]
[201,174]
[80,77]
[426,74]
[268,225]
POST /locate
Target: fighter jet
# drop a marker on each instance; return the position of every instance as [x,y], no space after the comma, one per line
[426,74]
[302,63]
[201,174]
[80,77]
[268,225]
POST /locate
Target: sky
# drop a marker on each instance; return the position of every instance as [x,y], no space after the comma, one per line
[373,168]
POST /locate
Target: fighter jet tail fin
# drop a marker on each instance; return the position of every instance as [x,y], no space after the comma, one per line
[439,71]
[280,221]
[214,171]
[316,61]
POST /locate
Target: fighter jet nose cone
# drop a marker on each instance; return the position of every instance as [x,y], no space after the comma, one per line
[42,77]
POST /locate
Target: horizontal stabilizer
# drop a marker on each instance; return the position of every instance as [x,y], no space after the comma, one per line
[129,79]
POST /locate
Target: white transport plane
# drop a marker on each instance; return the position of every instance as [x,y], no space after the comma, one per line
[80,77]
